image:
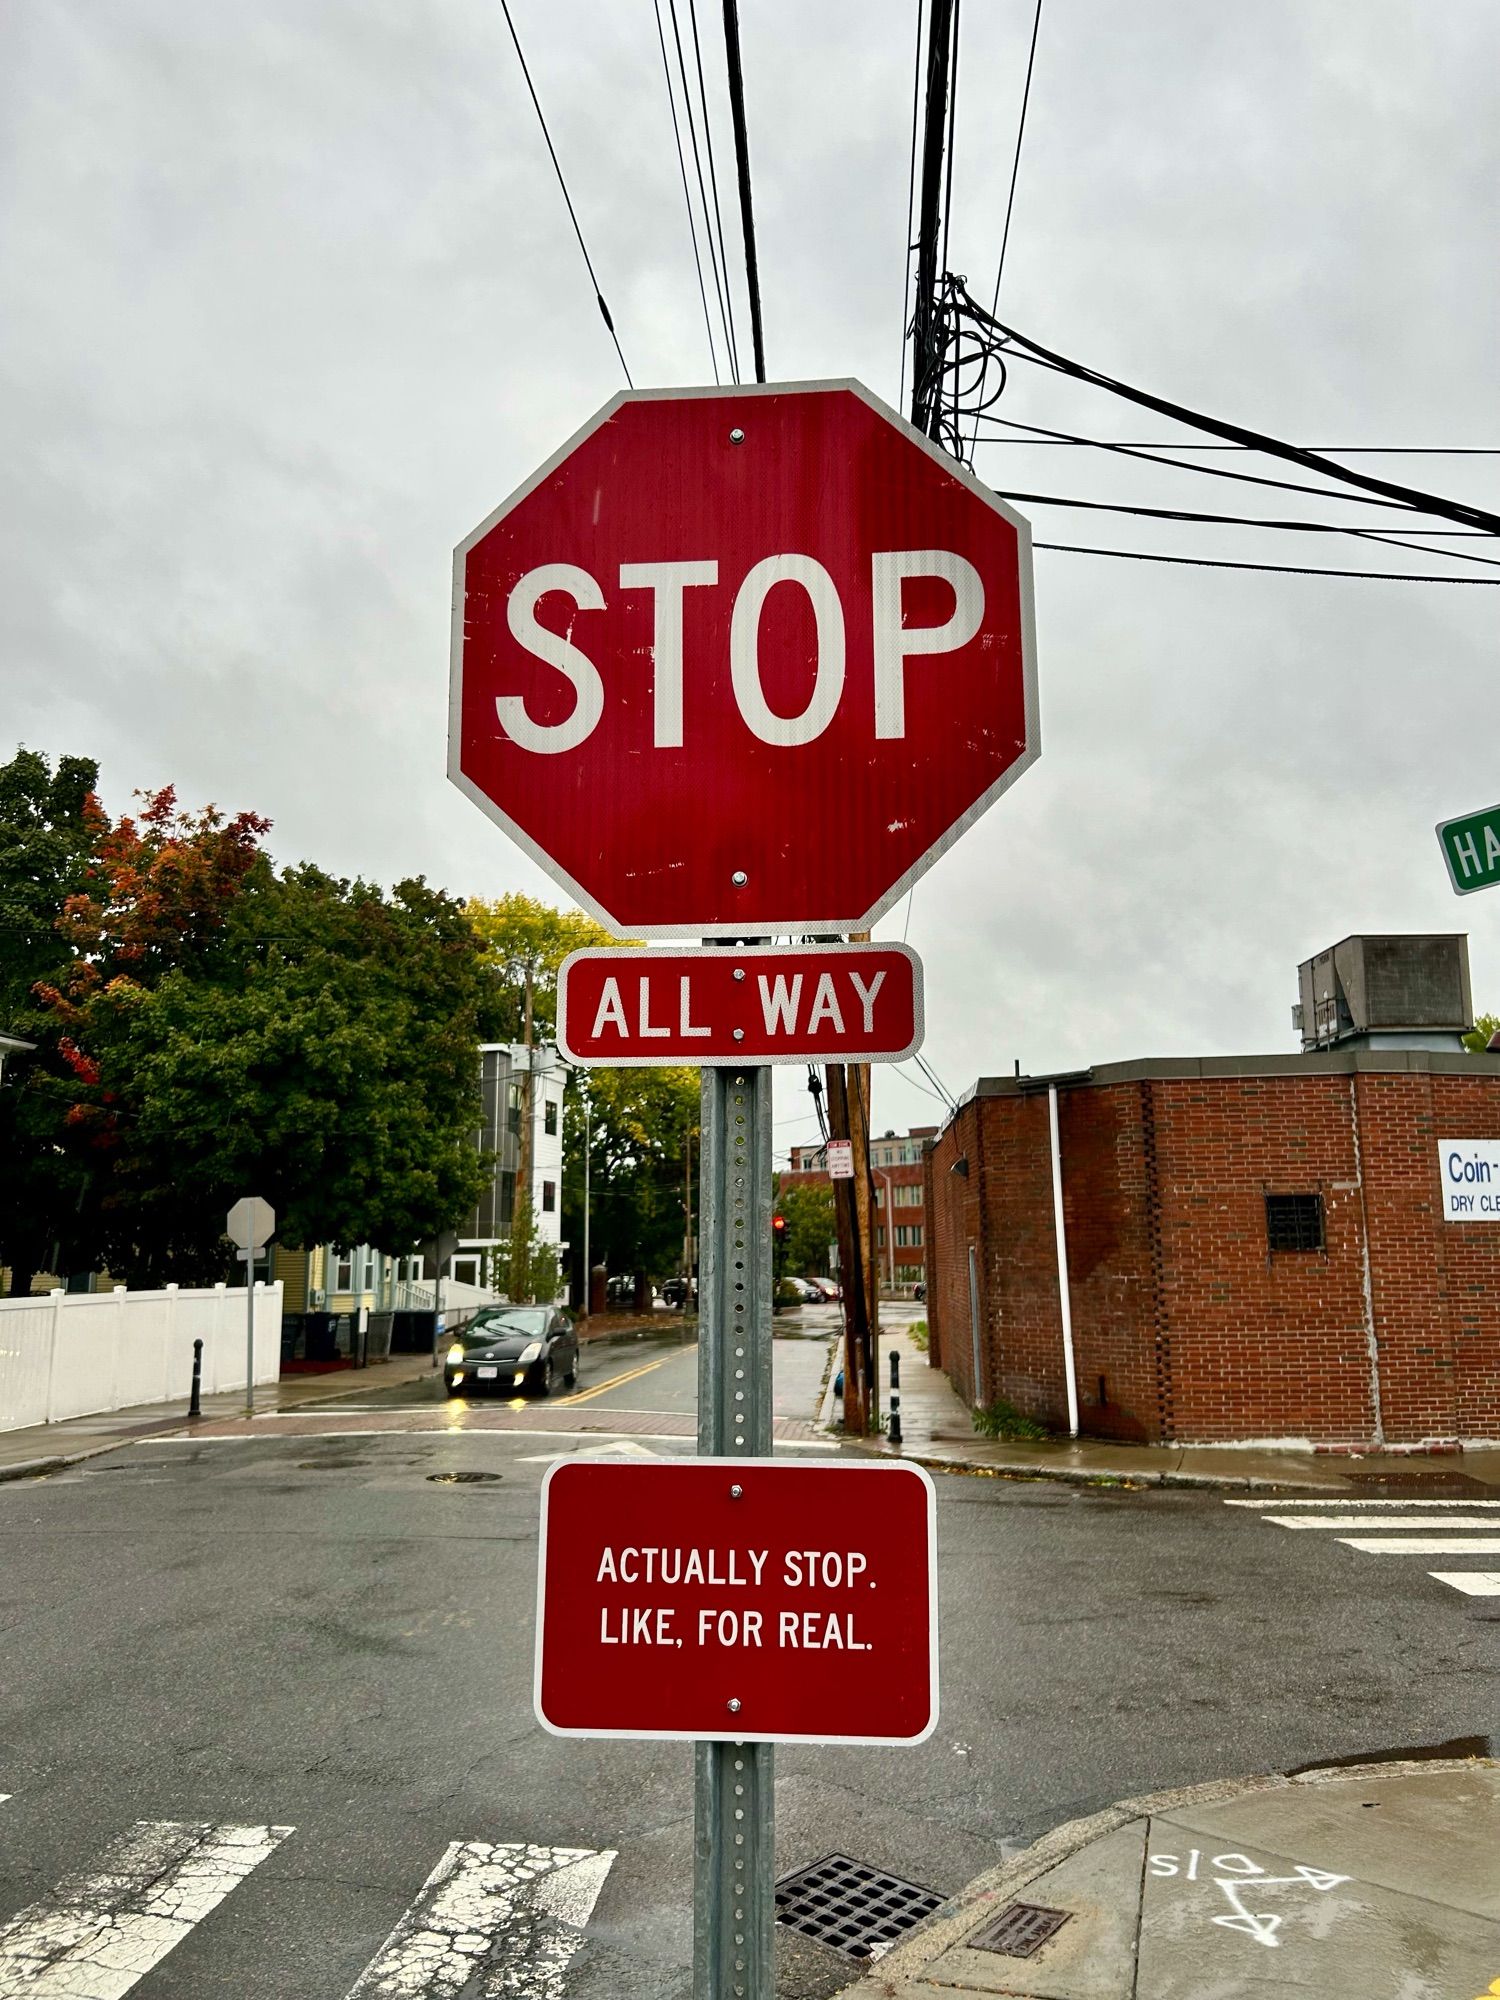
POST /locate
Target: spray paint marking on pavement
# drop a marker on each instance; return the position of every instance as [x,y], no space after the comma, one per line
[103,1931]
[1232,1875]
[491,1921]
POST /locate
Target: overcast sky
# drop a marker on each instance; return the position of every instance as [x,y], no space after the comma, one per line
[288,302]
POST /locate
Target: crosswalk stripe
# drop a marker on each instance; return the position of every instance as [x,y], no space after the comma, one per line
[492,1920]
[1345,1500]
[1472,1582]
[102,1931]
[1449,1523]
[1424,1545]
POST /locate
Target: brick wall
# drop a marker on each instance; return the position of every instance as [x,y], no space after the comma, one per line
[1186,1325]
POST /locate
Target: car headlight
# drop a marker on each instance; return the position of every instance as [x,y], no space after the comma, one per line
[455,1355]
[530,1354]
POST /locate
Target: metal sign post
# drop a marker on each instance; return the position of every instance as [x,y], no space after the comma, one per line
[734,1903]
[249,1225]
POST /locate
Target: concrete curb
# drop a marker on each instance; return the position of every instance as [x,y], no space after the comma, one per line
[37,1468]
[962,1914]
[1072,1475]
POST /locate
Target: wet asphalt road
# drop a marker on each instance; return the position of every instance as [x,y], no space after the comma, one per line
[318,1634]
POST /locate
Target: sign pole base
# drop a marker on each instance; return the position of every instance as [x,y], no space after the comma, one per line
[734,1867]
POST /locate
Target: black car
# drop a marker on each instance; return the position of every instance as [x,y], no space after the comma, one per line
[512,1347]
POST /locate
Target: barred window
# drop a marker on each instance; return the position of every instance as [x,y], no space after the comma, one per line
[1294,1221]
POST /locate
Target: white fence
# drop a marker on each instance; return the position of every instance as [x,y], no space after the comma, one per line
[73,1354]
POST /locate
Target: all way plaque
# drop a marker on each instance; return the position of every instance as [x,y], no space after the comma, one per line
[742,1599]
[740,1004]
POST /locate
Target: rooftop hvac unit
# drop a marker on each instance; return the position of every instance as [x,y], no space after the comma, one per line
[1407,991]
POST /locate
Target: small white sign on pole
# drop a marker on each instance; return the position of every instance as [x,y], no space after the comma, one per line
[841,1159]
[1469,1170]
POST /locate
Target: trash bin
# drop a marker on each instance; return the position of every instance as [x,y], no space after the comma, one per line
[378,1336]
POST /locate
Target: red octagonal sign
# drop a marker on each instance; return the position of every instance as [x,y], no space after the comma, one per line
[744,661]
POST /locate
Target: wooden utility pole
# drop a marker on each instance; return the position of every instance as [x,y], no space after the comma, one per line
[858,1338]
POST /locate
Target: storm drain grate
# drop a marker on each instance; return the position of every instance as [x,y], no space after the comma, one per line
[1020,1930]
[858,1910]
[464,1478]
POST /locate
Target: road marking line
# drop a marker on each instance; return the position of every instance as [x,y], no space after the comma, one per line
[491,1920]
[1423,1545]
[1447,1522]
[618,1381]
[102,1932]
[1473,1582]
[1345,1501]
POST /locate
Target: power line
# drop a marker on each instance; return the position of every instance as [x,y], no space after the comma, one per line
[686,195]
[742,159]
[713,181]
[911,201]
[1309,461]
[1185,444]
[1147,456]
[1285,569]
[926,360]
[1385,536]
[1010,202]
[708,227]
[572,213]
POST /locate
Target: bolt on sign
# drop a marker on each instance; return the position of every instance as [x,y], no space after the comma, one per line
[1471,848]
[738,1599]
[743,662]
[757,1004]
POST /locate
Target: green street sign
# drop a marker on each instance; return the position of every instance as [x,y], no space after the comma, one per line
[1471,848]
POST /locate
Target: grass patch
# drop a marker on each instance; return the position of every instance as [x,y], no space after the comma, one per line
[916,1333]
[1003,1420]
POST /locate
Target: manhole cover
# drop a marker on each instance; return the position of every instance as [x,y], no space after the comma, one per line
[464,1478]
[1020,1930]
[858,1910]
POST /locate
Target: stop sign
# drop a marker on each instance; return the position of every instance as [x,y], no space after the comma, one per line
[743,661]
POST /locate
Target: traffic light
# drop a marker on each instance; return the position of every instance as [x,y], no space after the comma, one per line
[778,1228]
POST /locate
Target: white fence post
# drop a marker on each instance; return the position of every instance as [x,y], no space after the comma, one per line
[53,1342]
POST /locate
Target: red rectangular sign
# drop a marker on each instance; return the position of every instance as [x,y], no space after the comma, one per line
[740,1004]
[746,1600]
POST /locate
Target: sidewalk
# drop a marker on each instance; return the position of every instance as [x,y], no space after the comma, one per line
[44,1447]
[1341,1885]
[938,1431]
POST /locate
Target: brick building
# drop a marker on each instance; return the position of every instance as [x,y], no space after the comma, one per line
[900,1201]
[1256,1247]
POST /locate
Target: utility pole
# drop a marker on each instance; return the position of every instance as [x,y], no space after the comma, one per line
[588,1267]
[520,1208]
[858,1342]
[687,1226]
[925,358]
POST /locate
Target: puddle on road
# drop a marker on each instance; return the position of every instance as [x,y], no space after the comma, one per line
[1410,1753]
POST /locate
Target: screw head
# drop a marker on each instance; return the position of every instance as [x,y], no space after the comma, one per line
[739,972]
[739,878]
[736,436]
[733,1704]
[739,1034]
[736,1492]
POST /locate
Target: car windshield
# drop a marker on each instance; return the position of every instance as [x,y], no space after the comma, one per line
[517,1322]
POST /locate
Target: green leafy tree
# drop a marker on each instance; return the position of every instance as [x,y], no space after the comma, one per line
[810,1225]
[642,1122]
[1478,1038]
[213,1028]
[520,936]
[49,820]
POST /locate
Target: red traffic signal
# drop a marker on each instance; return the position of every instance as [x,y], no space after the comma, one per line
[778,1225]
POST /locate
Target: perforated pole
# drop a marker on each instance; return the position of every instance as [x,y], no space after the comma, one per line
[734,1907]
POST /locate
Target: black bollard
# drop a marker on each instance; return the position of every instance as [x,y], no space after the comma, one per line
[893,1423]
[195,1406]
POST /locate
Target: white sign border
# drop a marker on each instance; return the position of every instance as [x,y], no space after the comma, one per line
[724,953]
[745,1735]
[798,920]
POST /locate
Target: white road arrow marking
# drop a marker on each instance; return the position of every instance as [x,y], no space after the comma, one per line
[492,1921]
[103,1931]
[1422,1545]
[1473,1583]
[1451,1524]
[627,1448]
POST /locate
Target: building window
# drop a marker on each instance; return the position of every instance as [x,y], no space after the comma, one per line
[343,1270]
[549,1197]
[908,1235]
[908,1195]
[880,1239]
[1294,1221]
[549,1118]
